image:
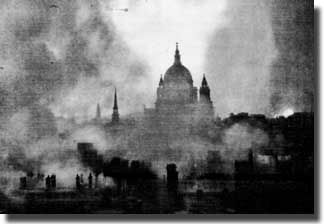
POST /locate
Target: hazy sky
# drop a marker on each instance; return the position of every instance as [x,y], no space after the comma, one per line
[151,29]
[66,56]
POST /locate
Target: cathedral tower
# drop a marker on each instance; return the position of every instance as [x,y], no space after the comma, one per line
[204,91]
[160,89]
[205,102]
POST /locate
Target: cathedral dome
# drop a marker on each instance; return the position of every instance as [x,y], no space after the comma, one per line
[177,73]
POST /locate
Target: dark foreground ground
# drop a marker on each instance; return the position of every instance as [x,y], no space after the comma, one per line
[155,197]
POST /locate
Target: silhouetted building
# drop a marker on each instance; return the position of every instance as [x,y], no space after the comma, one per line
[53,181]
[244,169]
[77,182]
[89,155]
[48,182]
[90,181]
[172,174]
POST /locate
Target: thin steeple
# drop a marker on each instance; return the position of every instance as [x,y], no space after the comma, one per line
[98,114]
[115,115]
[177,56]
[115,100]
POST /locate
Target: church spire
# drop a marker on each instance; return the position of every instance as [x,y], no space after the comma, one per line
[98,114]
[115,100]
[115,115]
[177,56]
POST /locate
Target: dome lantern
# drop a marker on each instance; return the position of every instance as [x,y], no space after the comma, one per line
[178,73]
[177,56]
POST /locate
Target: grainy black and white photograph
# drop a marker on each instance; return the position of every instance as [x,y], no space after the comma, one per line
[157,107]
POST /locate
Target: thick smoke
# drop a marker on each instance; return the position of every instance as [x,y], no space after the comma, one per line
[239,138]
[63,55]
[262,60]
[234,144]
[58,58]
[239,58]
[292,74]
[65,171]
[94,134]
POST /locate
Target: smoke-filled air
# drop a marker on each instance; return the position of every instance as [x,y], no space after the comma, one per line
[60,59]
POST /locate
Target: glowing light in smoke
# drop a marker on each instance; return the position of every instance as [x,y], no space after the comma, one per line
[151,29]
[286,112]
